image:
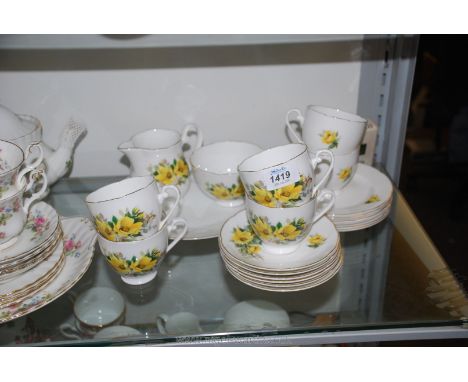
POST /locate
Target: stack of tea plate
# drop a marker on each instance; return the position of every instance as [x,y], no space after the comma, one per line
[316,261]
[364,202]
[36,257]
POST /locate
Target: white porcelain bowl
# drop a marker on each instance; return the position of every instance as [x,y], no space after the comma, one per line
[215,169]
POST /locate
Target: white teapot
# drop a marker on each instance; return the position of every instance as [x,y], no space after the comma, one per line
[24,130]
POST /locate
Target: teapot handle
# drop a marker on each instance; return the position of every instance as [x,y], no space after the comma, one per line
[31,166]
[191,128]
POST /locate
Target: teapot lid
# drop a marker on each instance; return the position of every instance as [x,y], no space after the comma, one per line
[11,126]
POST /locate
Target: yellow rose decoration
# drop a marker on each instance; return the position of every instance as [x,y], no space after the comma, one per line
[253,249]
[373,199]
[127,226]
[264,197]
[330,138]
[287,193]
[262,228]
[145,263]
[165,175]
[288,232]
[181,168]
[344,174]
[105,230]
[118,263]
[220,192]
[238,190]
[241,237]
[316,240]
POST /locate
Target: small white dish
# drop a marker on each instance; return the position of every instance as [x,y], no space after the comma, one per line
[204,217]
[181,323]
[239,241]
[117,331]
[78,242]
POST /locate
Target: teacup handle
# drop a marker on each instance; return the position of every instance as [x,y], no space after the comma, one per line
[31,166]
[299,118]
[32,179]
[69,331]
[191,128]
[318,157]
[163,196]
[161,323]
[324,194]
[177,223]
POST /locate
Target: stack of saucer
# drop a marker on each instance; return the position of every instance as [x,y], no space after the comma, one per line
[318,258]
[36,258]
[364,202]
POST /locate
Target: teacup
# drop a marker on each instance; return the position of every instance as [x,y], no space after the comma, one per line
[328,128]
[283,229]
[182,323]
[344,169]
[215,170]
[12,159]
[14,209]
[159,152]
[132,209]
[94,309]
[283,176]
[255,314]
[137,262]
[117,331]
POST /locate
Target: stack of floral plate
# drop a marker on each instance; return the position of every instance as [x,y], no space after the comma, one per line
[364,202]
[36,257]
[316,261]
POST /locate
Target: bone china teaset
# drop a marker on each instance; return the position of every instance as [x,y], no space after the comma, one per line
[277,213]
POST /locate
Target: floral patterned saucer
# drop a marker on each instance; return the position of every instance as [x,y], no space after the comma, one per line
[79,237]
[39,230]
[238,241]
[203,215]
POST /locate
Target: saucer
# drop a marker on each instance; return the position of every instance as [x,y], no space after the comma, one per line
[37,233]
[253,254]
[203,215]
[361,194]
[79,237]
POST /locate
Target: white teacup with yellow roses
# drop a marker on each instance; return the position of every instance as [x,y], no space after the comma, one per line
[344,169]
[282,230]
[159,152]
[283,176]
[327,128]
[132,209]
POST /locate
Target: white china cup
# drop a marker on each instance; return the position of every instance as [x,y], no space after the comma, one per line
[12,159]
[255,314]
[132,209]
[283,176]
[15,208]
[117,331]
[159,152]
[327,128]
[343,171]
[137,262]
[182,323]
[94,309]
[283,229]
[214,167]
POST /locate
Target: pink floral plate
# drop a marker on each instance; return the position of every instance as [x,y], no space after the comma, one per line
[79,237]
[39,229]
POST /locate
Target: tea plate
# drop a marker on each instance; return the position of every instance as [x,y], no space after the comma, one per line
[204,216]
[40,227]
[78,242]
[276,288]
[367,191]
[307,254]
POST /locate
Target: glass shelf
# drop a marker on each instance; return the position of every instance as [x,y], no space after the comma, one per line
[380,294]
